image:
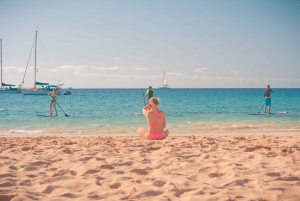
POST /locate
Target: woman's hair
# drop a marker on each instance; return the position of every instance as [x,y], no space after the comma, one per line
[154,101]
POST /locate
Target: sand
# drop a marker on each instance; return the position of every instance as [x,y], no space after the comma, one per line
[197,167]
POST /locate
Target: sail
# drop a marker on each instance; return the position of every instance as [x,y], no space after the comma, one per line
[165,83]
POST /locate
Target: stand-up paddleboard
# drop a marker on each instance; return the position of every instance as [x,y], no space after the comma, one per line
[285,112]
[2,109]
[46,115]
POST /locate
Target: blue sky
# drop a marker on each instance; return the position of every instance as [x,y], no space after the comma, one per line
[129,44]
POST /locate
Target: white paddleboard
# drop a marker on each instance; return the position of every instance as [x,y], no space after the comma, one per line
[45,115]
[285,112]
[2,109]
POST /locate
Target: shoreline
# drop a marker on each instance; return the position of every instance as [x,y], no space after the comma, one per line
[258,166]
[53,133]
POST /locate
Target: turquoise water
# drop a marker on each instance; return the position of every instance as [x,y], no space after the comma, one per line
[118,111]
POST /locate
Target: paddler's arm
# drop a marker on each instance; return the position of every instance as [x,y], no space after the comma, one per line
[146,93]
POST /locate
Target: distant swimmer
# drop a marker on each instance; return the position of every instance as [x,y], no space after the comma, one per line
[156,122]
[53,101]
[149,93]
[268,99]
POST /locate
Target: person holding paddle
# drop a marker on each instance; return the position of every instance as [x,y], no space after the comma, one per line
[268,99]
[149,93]
[156,121]
[53,101]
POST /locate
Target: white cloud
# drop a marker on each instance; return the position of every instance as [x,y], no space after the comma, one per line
[109,76]
[67,67]
[55,70]
[110,68]
[236,72]
[81,68]
[200,70]
[117,58]
[175,73]
[139,68]
[13,68]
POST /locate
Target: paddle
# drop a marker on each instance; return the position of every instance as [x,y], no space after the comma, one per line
[62,109]
[261,108]
[143,97]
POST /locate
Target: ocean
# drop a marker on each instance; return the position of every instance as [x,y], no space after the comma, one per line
[118,112]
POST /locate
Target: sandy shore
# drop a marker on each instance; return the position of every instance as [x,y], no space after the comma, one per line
[197,167]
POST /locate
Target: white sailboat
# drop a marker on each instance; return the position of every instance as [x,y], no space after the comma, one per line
[7,88]
[165,84]
[40,88]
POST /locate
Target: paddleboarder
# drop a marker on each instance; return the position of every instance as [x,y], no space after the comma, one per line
[53,101]
[268,99]
[149,93]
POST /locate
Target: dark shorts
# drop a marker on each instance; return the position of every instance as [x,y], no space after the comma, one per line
[268,101]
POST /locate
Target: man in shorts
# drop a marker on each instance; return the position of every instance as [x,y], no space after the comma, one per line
[268,99]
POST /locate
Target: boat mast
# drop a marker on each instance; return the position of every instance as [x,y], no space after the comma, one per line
[164,79]
[1,65]
[35,61]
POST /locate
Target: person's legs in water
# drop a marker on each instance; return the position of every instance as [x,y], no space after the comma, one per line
[268,105]
[51,108]
[55,109]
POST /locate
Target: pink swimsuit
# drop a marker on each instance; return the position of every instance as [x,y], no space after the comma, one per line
[156,136]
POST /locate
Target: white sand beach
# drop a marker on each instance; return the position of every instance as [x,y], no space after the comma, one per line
[258,166]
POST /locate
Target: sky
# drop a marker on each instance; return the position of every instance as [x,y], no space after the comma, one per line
[131,43]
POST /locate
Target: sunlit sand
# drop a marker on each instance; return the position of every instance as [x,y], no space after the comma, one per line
[196,167]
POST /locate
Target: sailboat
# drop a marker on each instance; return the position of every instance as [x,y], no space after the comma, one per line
[7,88]
[40,88]
[165,84]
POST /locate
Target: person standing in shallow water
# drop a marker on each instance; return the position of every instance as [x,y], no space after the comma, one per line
[53,101]
[268,99]
[149,93]
[156,120]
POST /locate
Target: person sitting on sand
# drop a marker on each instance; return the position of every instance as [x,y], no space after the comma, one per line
[156,121]
[53,101]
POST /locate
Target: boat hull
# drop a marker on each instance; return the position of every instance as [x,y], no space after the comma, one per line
[38,91]
[10,91]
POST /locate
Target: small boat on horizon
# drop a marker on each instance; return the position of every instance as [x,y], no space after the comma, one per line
[68,93]
[165,84]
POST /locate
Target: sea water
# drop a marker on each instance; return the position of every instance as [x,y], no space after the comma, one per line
[118,112]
